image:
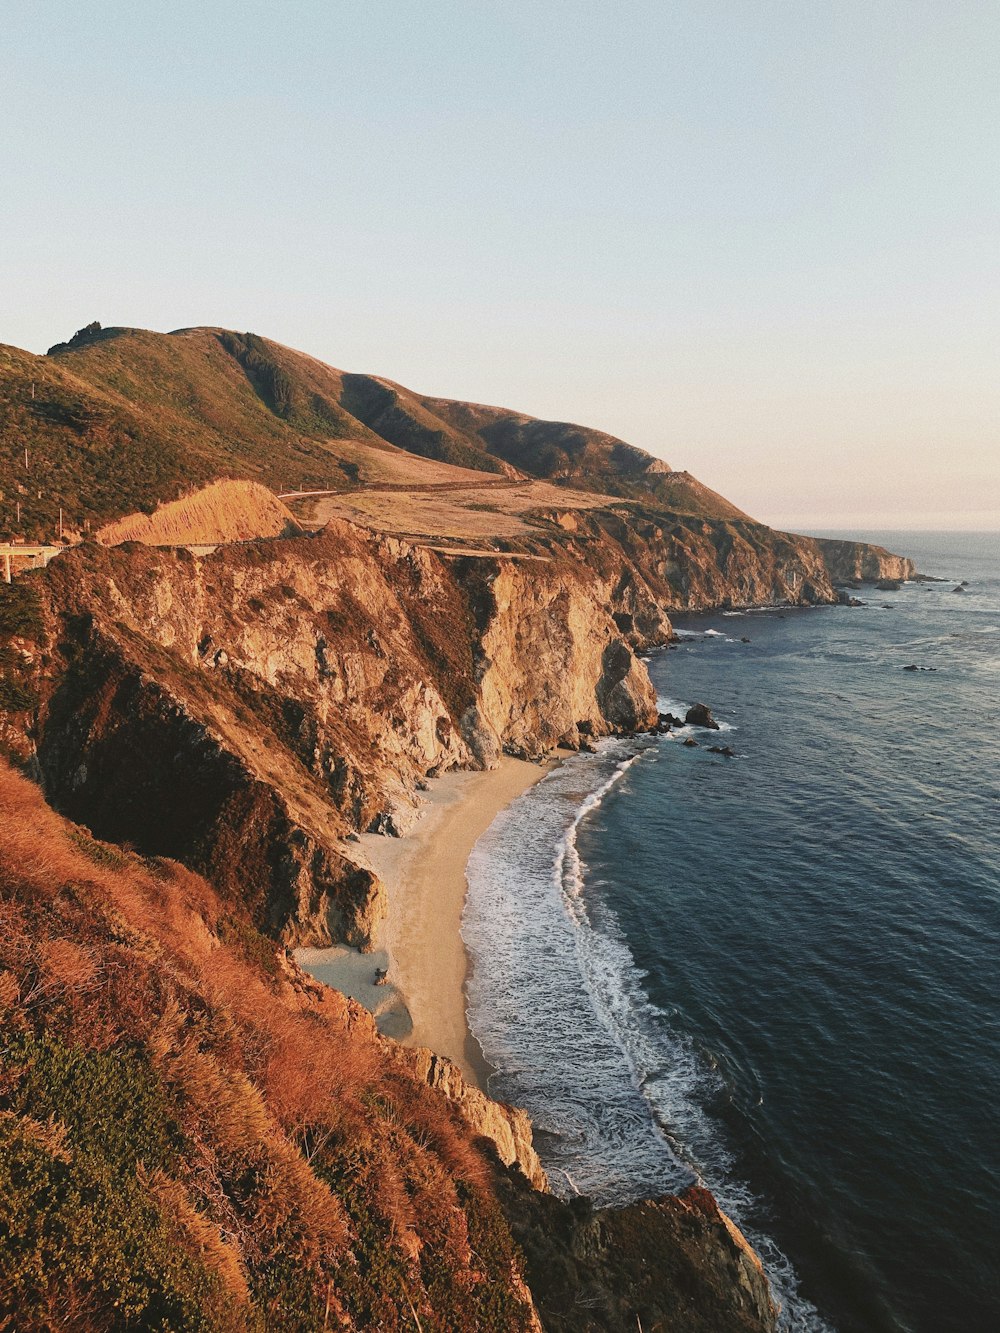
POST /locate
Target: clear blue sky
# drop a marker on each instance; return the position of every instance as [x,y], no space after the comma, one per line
[761,240]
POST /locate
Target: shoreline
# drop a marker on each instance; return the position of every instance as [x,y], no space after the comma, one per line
[422,1001]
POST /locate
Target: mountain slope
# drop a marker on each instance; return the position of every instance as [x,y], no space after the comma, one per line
[117,420]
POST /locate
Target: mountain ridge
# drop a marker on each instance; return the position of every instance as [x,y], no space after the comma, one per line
[122,419]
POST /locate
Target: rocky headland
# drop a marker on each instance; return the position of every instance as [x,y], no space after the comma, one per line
[220,725]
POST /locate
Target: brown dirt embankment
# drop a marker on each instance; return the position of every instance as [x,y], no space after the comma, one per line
[225,511]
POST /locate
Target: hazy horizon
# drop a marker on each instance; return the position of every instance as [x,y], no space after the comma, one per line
[761,244]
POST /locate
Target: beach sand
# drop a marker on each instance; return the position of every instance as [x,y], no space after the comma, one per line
[423,1003]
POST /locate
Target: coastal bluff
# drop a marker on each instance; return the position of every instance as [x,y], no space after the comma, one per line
[194,741]
[245,713]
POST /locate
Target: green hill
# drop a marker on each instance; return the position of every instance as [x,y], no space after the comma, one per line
[117,420]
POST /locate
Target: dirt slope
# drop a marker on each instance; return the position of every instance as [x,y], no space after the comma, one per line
[226,511]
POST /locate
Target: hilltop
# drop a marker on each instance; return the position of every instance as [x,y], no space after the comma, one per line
[119,420]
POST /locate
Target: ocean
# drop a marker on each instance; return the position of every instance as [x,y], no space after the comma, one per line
[777,973]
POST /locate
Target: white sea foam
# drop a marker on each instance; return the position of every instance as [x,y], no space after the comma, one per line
[559,1005]
[666,704]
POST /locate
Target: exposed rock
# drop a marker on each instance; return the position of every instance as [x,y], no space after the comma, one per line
[727,750]
[959,588]
[700,715]
[690,742]
[676,1264]
[852,563]
[888,585]
[354,666]
[508,1127]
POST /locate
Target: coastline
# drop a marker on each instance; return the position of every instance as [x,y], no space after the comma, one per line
[422,1002]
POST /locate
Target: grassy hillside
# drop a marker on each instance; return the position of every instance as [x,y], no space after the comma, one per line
[194,1136]
[116,421]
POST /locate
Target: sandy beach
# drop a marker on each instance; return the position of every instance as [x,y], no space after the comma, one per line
[420,942]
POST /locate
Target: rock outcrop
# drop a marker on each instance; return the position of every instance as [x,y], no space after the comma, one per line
[507,1127]
[849,561]
[700,715]
[247,711]
[677,1264]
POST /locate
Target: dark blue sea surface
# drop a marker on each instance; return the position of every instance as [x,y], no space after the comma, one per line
[778,973]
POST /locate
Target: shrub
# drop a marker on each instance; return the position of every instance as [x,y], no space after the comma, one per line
[20,611]
[83,1235]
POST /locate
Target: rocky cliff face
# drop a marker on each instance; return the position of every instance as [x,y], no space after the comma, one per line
[849,561]
[678,563]
[247,712]
[676,1264]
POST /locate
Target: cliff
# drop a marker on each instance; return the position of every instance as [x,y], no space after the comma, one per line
[247,712]
[850,561]
[194,1133]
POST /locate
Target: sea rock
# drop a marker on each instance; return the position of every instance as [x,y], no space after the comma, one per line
[700,715]
[667,720]
[888,585]
[727,750]
[690,742]
[959,587]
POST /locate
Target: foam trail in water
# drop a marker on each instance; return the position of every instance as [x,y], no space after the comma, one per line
[558,1004]
[679,709]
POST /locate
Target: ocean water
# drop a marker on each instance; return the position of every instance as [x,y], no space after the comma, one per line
[778,973]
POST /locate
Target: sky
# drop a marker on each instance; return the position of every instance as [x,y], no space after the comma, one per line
[760,240]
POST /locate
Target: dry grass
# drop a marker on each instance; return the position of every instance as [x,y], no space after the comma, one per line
[276,1164]
[479,512]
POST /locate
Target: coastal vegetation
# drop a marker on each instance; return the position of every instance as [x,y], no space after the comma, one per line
[196,1136]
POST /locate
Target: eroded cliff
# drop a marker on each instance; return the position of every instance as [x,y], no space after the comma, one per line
[248,711]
